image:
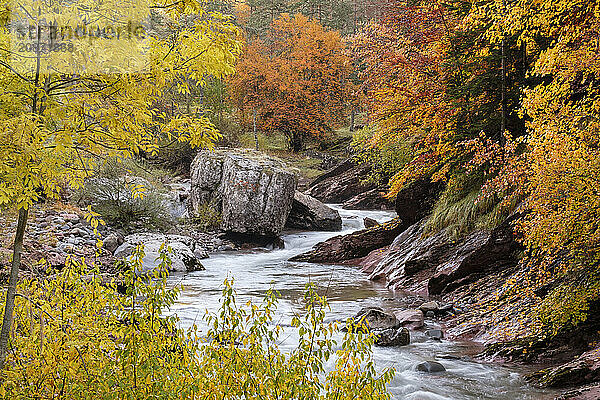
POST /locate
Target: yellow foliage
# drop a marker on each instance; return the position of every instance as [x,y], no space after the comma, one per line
[55,119]
[76,337]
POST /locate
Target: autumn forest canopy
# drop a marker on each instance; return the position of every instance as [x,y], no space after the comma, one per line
[496,101]
[499,100]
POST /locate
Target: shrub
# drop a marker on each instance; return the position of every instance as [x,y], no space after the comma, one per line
[126,201]
[206,217]
[77,338]
[386,157]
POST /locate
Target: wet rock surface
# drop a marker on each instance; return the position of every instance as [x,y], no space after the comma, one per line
[308,213]
[392,337]
[411,318]
[354,245]
[374,318]
[372,199]
[438,264]
[387,328]
[430,367]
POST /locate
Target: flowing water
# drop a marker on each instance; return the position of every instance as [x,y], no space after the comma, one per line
[348,290]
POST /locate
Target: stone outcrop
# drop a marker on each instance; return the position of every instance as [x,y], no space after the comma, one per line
[438,264]
[175,200]
[253,193]
[582,370]
[341,183]
[372,199]
[310,214]
[416,200]
[182,257]
[355,245]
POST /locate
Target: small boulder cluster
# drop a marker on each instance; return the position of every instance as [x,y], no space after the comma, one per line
[393,328]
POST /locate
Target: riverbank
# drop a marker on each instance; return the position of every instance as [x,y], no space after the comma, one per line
[349,290]
[393,265]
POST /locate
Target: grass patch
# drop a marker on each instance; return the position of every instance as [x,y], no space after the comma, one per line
[270,142]
[462,211]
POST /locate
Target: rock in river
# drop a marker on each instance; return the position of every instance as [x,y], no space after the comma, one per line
[393,337]
[430,366]
[354,245]
[386,327]
[411,318]
[374,318]
[309,213]
[253,192]
[182,256]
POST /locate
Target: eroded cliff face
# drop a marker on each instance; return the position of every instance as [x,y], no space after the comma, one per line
[437,264]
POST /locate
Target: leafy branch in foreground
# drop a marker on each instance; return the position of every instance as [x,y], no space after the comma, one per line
[76,337]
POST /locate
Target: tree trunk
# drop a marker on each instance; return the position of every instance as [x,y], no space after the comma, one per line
[254,127]
[503,117]
[12,285]
[296,142]
[352,117]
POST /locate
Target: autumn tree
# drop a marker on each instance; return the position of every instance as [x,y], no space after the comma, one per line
[69,101]
[296,80]
[562,164]
[500,99]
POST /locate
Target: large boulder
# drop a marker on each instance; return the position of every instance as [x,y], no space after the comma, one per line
[182,256]
[310,214]
[354,245]
[341,183]
[415,201]
[253,192]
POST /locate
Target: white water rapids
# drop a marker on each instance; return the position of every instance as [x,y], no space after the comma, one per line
[348,290]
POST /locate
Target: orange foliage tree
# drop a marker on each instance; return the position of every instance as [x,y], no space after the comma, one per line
[296,81]
[504,99]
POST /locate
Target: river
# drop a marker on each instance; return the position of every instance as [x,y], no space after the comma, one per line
[348,290]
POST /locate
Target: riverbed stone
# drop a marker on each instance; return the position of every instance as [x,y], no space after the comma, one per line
[112,242]
[182,257]
[411,318]
[430,367]
[308,213]
[429,306]
[374,318]
[370,222]
[435,334]
[393,337]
